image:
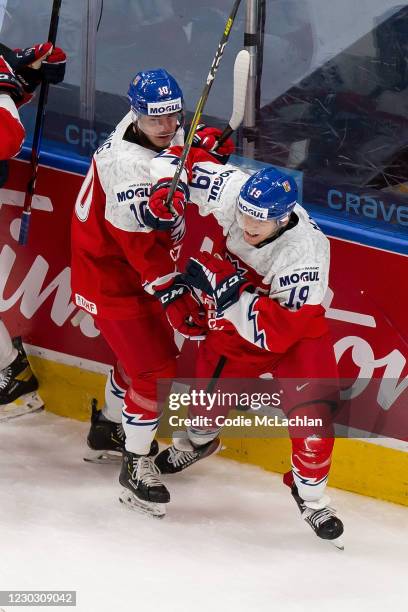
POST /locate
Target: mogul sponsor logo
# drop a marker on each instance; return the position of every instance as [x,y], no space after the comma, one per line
[294,279]
[219,185]
[132,192]
[253,211]
[164,108]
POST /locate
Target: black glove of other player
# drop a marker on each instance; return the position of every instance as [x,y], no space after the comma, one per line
[39,63]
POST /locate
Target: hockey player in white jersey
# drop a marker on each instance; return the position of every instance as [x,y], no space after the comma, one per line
[123,257]
[265,284]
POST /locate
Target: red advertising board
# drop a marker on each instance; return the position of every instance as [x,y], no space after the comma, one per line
[365,303]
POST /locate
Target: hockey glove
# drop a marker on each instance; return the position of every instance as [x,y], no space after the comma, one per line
[53,67]
[39,63]
[182,308]
[8,81]
[217,278]
[207,138]
[156,214]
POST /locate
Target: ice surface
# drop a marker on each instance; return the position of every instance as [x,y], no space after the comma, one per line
[232,538]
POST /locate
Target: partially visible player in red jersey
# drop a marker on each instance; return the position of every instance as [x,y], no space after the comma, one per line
[263,288]
[20,74]
[123,259]
[12,132]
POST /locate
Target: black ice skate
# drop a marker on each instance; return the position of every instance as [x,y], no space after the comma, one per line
[321,518]
[18,386]
[106,439]
[182,454]
[143,490]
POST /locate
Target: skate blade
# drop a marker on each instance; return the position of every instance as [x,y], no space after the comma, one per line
[337,543]
[144,507]
[103,456]
[26,404]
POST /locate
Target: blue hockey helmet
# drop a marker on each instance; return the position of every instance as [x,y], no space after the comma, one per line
[155,93]
[268,195]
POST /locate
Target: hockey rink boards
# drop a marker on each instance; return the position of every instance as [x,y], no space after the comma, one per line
[367,323]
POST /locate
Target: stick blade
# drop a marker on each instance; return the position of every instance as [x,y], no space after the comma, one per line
[241,74]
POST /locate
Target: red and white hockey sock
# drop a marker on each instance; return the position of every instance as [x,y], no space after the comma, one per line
[311,459]
[115,390]
[140,420]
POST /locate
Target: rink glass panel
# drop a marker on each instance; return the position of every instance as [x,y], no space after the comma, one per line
[330,100]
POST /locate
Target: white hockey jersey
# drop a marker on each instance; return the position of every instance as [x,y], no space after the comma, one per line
[290,273]
[115,257]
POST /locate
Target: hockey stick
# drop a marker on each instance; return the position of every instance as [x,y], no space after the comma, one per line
[39,122]
[201,102]
[241,74]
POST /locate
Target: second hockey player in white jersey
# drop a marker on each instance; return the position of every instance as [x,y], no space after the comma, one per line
[263,286]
